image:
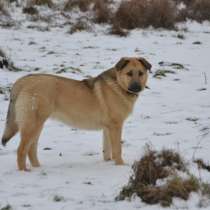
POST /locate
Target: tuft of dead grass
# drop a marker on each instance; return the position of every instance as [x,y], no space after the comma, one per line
[48,3]
[80,25]
[155,166]
[118,31]
[202,165]
[3,10]
[83,5]
[30,10]
[140,14]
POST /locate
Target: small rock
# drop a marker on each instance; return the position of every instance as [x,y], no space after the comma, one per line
[197,43]
[58,198]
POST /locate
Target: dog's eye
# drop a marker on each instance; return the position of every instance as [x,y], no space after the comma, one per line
[141,73]
[130,73]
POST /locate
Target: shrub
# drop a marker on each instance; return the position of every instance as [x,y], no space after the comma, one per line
[199,10]
[186,2]
[118,31]
[30,10]
[80,25]
[3,10]
[102,11]
[140,14]
[83,5]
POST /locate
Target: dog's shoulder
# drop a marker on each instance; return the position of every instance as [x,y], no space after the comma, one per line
[106,75]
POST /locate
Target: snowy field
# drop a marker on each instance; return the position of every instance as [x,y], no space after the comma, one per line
[173,114]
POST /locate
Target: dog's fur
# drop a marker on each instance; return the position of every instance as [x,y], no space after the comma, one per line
[102,102]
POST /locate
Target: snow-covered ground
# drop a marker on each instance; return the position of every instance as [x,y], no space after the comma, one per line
[173,114]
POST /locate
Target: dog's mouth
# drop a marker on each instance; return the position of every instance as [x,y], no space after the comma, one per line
[135,88]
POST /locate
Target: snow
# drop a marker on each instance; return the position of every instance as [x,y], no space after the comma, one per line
[74,167]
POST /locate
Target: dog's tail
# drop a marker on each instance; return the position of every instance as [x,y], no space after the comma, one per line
[11,127]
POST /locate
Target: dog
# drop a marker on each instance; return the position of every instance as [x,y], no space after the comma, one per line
[99,103]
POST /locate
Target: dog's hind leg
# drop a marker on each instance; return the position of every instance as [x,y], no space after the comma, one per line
[32,153]
[107,150]
[28,134]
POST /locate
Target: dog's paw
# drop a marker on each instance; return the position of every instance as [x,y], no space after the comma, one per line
[119,162]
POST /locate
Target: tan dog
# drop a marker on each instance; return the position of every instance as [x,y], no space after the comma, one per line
[103,102]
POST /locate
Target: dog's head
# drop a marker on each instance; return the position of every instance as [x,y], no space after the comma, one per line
[132,74]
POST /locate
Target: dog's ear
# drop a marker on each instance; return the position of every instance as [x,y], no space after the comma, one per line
[121,63]
[146,64]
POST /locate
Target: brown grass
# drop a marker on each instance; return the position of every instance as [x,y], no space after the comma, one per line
[30,10]
[154,166]
[202,165]
[186,2]
[83,5]
[102,11]
[140,14]
[3,10]
[199,10]
[118,31]
[48,3]
[80,25]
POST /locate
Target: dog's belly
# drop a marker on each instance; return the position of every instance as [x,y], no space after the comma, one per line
[87,122]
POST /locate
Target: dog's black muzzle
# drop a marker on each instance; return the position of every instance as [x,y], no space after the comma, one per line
[134,87]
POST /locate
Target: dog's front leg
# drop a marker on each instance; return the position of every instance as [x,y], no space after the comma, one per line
[107,150]
[115,132]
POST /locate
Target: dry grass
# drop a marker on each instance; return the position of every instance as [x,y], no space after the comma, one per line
[83,5]
[30,10]
[3,10]
[186,2]
[48,3]
[133,14]
[154,166]
[202,165]
[102,11]
[199,10]
[140,14]
[80,25]
[118,31]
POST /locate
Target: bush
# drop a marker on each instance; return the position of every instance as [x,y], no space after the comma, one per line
[140,14]
[102,11]
[30,10]
[186,2]
[80,25]
[83,5]
[3,10]
[118,31]
[48,3]
[199,10]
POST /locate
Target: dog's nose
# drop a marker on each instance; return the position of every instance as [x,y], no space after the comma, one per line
[134,87]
